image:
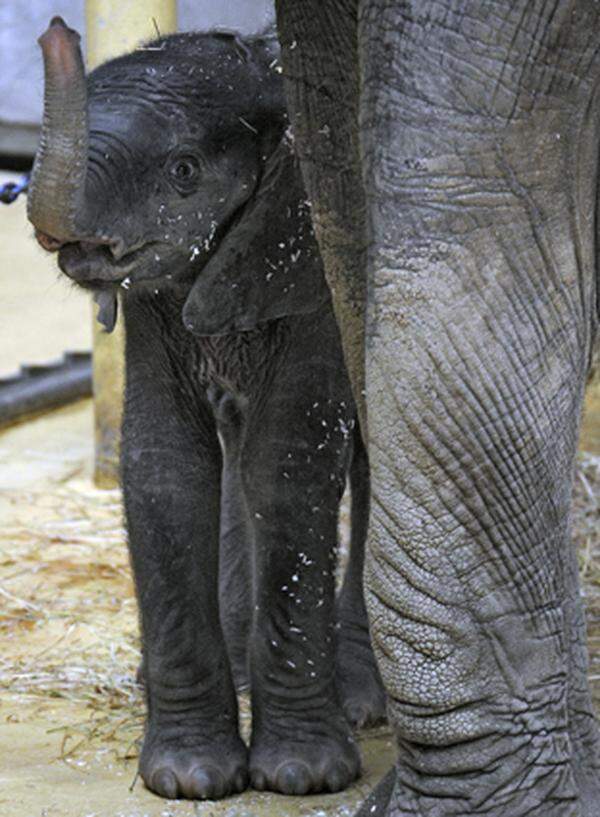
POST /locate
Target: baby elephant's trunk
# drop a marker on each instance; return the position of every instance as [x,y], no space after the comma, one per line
[56,193]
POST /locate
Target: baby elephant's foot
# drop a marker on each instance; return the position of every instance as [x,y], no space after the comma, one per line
[189,766]
[360,688]
[293,758]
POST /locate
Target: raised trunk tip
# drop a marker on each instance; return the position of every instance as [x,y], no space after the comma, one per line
[61,49]
[58,178]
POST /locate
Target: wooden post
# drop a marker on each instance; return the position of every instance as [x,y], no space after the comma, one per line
[590,431]
[114,27]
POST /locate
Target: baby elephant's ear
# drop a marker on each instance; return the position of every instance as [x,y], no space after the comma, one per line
[267,265]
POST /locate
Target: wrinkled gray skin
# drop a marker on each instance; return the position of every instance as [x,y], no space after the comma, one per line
[167,175]
[458,142]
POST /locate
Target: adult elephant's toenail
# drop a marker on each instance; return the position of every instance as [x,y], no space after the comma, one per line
[164,782]
[293,777]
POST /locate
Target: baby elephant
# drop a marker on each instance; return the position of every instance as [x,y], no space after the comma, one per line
[167,176]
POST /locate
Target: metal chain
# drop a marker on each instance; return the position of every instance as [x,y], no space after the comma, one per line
[10,191]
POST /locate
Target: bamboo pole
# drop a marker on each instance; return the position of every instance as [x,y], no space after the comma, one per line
[114,27]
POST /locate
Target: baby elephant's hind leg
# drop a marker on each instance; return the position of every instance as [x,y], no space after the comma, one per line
[359,683]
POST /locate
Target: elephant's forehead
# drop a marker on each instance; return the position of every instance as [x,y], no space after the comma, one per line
[150,129]
[186,88]
[141,125]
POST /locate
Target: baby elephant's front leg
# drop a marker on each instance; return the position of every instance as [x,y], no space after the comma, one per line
[301,740]
[191,745]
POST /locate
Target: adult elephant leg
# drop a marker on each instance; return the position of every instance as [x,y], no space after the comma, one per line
[171,466]
[480,163]
[358,678]
[321,75]
[319,53]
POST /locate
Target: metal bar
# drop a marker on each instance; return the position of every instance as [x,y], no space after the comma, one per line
[40,388]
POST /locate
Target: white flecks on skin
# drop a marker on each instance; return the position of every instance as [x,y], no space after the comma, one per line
[345,428]
[211,234]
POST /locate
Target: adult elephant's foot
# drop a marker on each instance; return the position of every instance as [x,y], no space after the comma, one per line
[359,684]
[291,756]
[176,762]
[402,794]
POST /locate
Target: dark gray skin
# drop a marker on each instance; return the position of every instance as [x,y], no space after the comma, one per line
[180,190]
[458,141]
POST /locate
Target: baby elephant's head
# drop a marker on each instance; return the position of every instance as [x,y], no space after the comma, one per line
[164,158]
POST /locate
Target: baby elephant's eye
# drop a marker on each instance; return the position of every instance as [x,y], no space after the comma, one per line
[184,171]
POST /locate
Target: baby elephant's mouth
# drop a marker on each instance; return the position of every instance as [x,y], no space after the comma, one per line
[93,265]
[96,265]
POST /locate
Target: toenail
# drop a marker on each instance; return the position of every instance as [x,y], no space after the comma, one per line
[337,777]
[258,780]
[164,783]
[207,783]
[240,782]
[293,777]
